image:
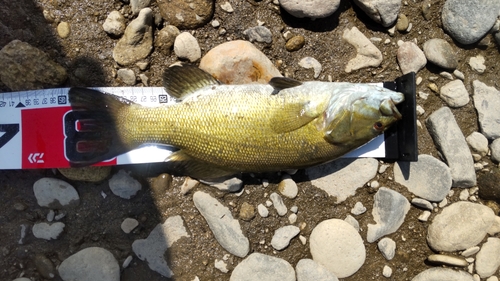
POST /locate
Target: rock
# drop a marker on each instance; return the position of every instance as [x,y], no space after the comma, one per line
[439,274]
[310,62]
[402,23]
[123,185]
[450,141]
[22,279]
[295,43]
[129,224]
[424,216]
[165,39]
[308,269]
[455,94]
[89,174]
[292,218]
[114,24]
[424,204]
[358,209]
[138,5]
[44,266]
[55,194]
[278,204]
[387,271]
[221,265]
[336,179]
[283,235]
[447,260]
[467,21]
[389,211]
[90,264]
[163,236]
[288,187]
[486,102]
[161,184]
[187,47]
[427,178]
[226,6]
[262,267]
[352,221]
[127,76]
[188,185]
[48,231]
[384,12]
[477,63]
[230,185]
[238,62]
[263,211]
[459,226]
[247,211]
[366,53]
[495,150]
[488,258]
[336,245]
[440,53]
[226,229]
[25,67]
[410,58]
[313,9]
[63,29]
[137,42]
[387,247]
[259,33]
[478,143]
[187,14]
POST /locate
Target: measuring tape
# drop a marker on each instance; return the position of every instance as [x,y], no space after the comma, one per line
[33,129]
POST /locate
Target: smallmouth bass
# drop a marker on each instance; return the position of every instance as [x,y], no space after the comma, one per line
[220,130]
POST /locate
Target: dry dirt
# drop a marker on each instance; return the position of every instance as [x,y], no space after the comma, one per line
[96,221]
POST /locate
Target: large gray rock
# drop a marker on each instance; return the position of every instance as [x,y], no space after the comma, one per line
[336,178]
[427,178]
[410,58]
[226,229]
[137,42]
[487,103]
[459,226]
[90,264]
[389,211]
[443,274]
[308,269]
[454,94]
[384,12]
[451,142]
[337,246]
[25,67]
[152,249]
[258,267]
[310,9]
[467,21]
[495,150]
[440,53]
[488,258]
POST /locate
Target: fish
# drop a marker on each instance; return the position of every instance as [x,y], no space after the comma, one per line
[221,130]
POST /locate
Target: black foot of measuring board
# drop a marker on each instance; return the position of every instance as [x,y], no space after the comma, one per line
[401,140]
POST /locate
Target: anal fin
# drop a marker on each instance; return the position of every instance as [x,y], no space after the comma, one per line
[195,168]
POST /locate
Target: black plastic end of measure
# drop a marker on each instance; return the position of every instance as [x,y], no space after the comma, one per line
[401,140]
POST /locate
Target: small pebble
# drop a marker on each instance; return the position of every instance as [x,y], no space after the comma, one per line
[263,211]
[292,218]
[477,63]
[464,195]
[129,224]
[310,62]
[387,247]
[287,187]
[283,235]
[127,261]
[278,204]
[127,76]
[424,216]
[221,265]
[447,260]
[226,6]
[358,209]
[295,43]
[63,29]
[387,271]
[402,23]
[247,211]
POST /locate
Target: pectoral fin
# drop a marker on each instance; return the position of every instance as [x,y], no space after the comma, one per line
[295,115]
[195,168]
[182,80]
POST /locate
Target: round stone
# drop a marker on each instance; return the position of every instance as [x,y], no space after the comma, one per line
[310,9]
[336,245]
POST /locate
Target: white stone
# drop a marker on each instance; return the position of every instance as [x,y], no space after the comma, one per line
[114,24]
[310,62]
[283,235]
[488,258]
[487,102]
[477,63]
[129,224]
[336,178]
[387,271]
[278,204]
[221,265]
[48,231]
[288,187]
[263,211]
[308,270]
[387,247]
[123,185]
[186,47]
[441,274]
[311,9]
[352,221]
[90,264]
[55,193]
[263,267]
[336,245]
[366,53]
[478,142]
[358,209]
[454,94]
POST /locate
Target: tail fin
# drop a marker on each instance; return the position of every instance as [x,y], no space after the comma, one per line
[91,128]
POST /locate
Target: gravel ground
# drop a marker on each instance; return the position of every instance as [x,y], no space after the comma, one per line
[86,54]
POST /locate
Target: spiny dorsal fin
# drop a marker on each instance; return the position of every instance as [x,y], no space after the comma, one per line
[280,83]
[182,80]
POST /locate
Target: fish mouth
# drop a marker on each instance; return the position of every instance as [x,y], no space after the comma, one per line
[388,108]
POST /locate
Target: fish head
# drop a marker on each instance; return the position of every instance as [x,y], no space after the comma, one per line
[357,113]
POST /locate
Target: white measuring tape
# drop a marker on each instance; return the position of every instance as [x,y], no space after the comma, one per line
[32,129]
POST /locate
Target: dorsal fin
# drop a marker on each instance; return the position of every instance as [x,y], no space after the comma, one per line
[280,83]
[182,80]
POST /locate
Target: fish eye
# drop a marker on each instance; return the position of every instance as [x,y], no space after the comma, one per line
[378,126]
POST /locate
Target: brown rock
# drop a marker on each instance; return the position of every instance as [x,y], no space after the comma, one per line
[187,14]
[166,38]
[238,62]
[90,174]
[247,211]
[295,43]
[161,183]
